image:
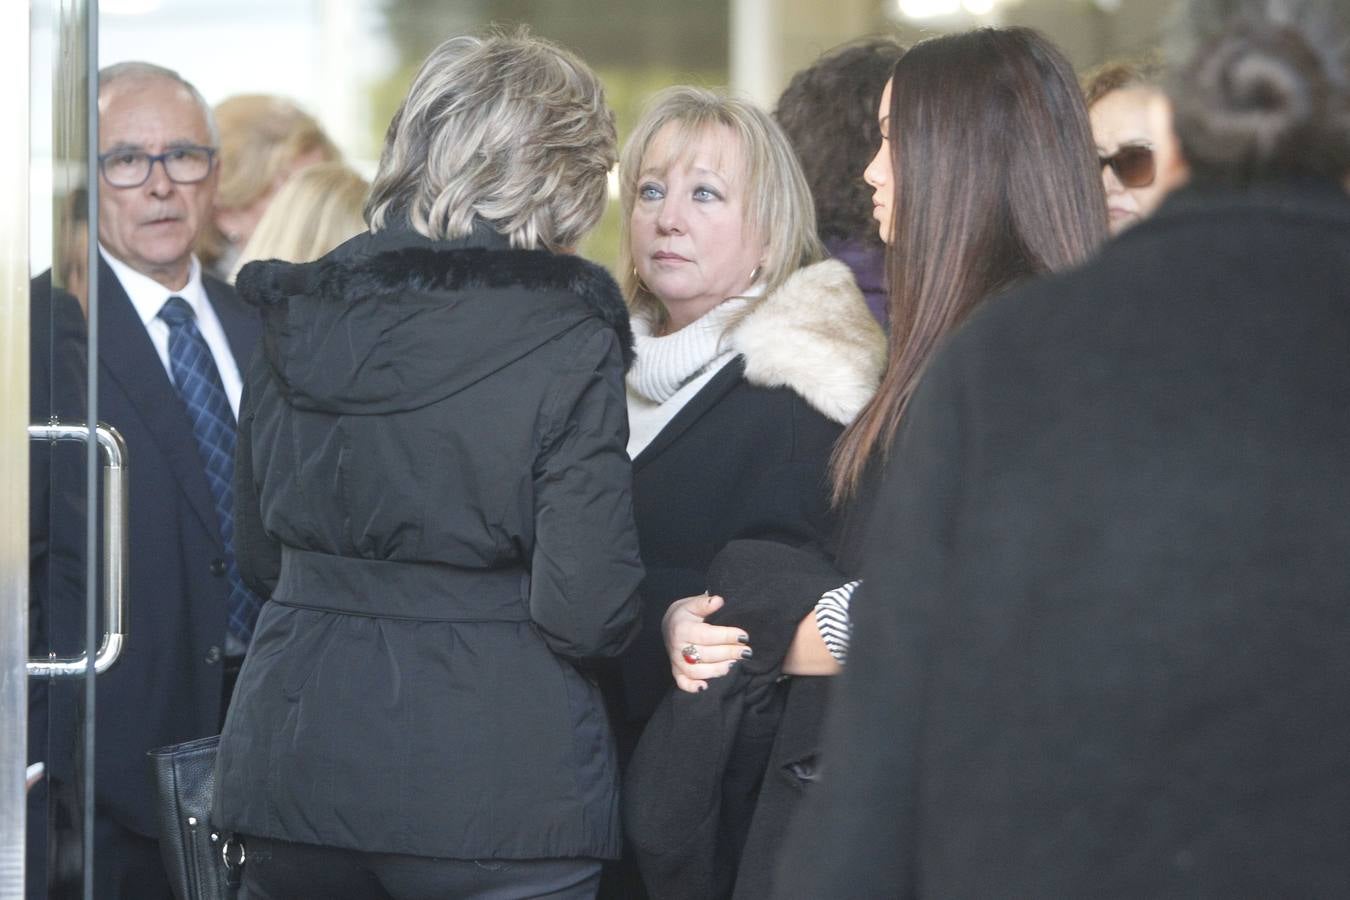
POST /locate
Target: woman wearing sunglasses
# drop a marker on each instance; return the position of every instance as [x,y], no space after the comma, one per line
[1118,97]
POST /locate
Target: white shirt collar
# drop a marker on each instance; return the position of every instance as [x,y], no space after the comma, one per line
[148,296]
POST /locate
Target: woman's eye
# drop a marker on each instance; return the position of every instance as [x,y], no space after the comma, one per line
[703,194]
[649,192]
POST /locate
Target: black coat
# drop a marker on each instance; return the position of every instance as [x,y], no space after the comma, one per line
[433,488]
[694,783]
[747,457]
[56,576]
[1100,649]
[739,461]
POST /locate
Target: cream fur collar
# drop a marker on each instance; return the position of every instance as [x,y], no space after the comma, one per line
[816,336]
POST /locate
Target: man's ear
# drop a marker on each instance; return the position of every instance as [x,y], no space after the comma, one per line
[1172,168]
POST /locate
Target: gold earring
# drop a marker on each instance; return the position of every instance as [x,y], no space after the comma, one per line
[754,276]
[640,283]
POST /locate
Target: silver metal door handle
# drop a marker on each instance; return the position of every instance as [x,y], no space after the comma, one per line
[115,551]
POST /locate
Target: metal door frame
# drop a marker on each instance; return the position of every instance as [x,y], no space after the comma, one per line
[16,432]
[14,315]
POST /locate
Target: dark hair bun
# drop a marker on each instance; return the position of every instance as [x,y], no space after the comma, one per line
[1262,100]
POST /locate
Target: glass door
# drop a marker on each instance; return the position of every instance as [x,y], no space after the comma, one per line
[62,573]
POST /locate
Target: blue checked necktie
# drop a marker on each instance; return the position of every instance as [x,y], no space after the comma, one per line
[198,381]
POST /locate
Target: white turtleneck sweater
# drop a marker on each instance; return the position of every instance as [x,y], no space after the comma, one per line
[669,370]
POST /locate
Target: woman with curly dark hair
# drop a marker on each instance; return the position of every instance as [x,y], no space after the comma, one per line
[829,112]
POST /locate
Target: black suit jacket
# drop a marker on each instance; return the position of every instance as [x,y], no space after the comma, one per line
[1100,647]
[167,686]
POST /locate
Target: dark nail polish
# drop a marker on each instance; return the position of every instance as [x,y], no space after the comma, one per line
[747,653]
[743,639]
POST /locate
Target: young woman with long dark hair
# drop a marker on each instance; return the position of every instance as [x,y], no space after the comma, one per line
[1100,640]
[986,176]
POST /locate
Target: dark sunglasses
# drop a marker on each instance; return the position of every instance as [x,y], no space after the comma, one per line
[1132,164]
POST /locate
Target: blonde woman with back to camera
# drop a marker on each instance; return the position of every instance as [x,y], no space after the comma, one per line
[432,489]
[264,140]
[317,210]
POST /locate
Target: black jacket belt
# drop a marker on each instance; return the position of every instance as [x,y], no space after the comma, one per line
[394,589]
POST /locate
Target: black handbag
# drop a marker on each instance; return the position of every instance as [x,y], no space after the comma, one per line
[203,863]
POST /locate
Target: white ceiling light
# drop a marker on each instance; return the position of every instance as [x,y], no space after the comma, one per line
[928,9]
[128,7]
[934,9]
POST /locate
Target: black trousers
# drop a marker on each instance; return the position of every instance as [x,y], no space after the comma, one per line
[127,865]
[281,870]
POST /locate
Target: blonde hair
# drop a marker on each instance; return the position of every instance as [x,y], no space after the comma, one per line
[1120,75]
[261,137]
[508,129]
[779,208]
[317,209]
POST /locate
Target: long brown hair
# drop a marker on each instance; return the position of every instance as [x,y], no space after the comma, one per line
[995,179]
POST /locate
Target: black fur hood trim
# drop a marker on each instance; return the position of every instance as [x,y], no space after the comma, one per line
[422,269]
[373,327]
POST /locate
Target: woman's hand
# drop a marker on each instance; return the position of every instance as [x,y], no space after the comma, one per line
[713,649]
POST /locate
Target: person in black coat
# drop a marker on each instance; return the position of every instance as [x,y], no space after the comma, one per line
[1028,185]
[1100,641]
[753,353]
[433,491]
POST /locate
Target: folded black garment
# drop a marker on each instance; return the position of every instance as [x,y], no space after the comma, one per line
[690,790]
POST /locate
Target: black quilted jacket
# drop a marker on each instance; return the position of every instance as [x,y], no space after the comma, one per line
[432,487]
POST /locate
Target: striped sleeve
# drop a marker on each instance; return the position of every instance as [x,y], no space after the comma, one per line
[833,621]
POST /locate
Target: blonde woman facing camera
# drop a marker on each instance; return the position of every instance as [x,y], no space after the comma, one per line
[753,353]
[433,490]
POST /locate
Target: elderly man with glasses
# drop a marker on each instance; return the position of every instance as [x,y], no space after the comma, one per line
[171,343]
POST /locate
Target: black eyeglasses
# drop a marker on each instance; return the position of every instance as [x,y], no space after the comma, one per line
[1133,165]
[131,168]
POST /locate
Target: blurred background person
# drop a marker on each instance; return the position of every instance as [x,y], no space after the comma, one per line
[1099,649]
[828,112]
[433,492]
[1013,168]
[1118,97]
[753,353]
[316,210]
[72,247]
[264,140]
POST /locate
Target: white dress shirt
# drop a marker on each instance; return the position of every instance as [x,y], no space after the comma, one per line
[148,297]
